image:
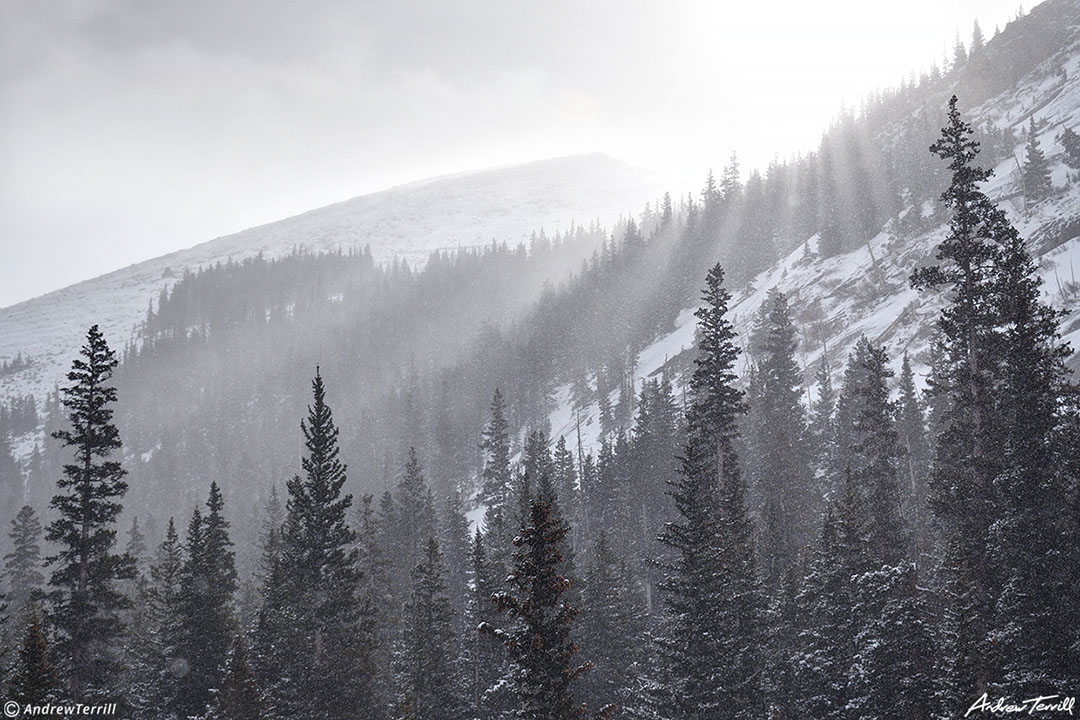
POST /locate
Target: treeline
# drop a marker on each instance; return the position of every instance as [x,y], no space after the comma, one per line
[211,383]
[736,554]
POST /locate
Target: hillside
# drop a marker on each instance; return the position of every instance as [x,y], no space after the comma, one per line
[568,330]
[406,223]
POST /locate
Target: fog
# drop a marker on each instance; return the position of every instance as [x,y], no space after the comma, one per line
[129,129]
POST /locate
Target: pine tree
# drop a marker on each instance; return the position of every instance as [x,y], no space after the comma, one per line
[239,697]
[1034,386]
[874,449]
[315,629]
[34,679]
[84,603]
[655,445]
[612,627]
[894,654]
[826,602]
[415,516]
[482,662]
[915,463]
[714,605]
[208,583]
[136,545]
[11,481]
[153,666]
[538,642]
[977,40]
[779,452]
[1003,376]
[1071,142]
[22,565]
[1036,172]
[454,537]
[821,423]
[495,480]
[427,658]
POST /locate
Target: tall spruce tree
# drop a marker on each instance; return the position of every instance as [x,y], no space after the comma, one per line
[1036,171]
[874,452]
[779,451]
[154,667]
[239,697]
[712,641]
[483,663]
[427,658]
[84,603]
[999,460]
[1035,388]
[612,628]
[315,628]
[654,464]
[22,566]
[208,582]
[33,679]
[915,463]
[496,485]
[538,642]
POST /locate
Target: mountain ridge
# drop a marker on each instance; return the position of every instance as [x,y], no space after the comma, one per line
[405,222]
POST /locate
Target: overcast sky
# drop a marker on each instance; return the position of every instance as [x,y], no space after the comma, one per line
[130,129]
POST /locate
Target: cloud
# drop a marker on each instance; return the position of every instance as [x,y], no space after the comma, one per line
[133,127]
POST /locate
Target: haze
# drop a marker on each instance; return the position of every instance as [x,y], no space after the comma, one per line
[131,129]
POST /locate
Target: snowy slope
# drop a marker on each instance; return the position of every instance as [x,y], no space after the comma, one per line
[866,291]
[406,222]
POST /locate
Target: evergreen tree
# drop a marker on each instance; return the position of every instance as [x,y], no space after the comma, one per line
[84,603]
[239,697]
[205,602]
[779,452]
[136,544]
[998,462]
[566,487]
[894,654]
[154,666]
[915,463]
[655,445]
[821,423]
[22,566]
[11,480]
[427,659]
[1071,142]
[415,516]
[826,601]
[612,627]
[482,663]
[315,630]
[454,537]
[1036,171]
[1034,387]
[714,605]
[495,480]
[874,449]
[34,680]
[538,642]
[977,40]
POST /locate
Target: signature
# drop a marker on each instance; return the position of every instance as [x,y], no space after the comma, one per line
[1043,703]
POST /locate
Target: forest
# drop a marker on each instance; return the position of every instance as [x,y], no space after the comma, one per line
[729,551]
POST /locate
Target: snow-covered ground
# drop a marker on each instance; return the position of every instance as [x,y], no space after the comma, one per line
[866,291]
[407,222]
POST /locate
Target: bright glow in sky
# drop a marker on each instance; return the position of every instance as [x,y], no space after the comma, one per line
[130,128]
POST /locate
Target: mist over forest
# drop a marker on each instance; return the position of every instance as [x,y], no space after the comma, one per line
[804,442]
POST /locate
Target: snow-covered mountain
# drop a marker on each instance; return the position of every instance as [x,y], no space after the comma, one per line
[866,291]
[406,222]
